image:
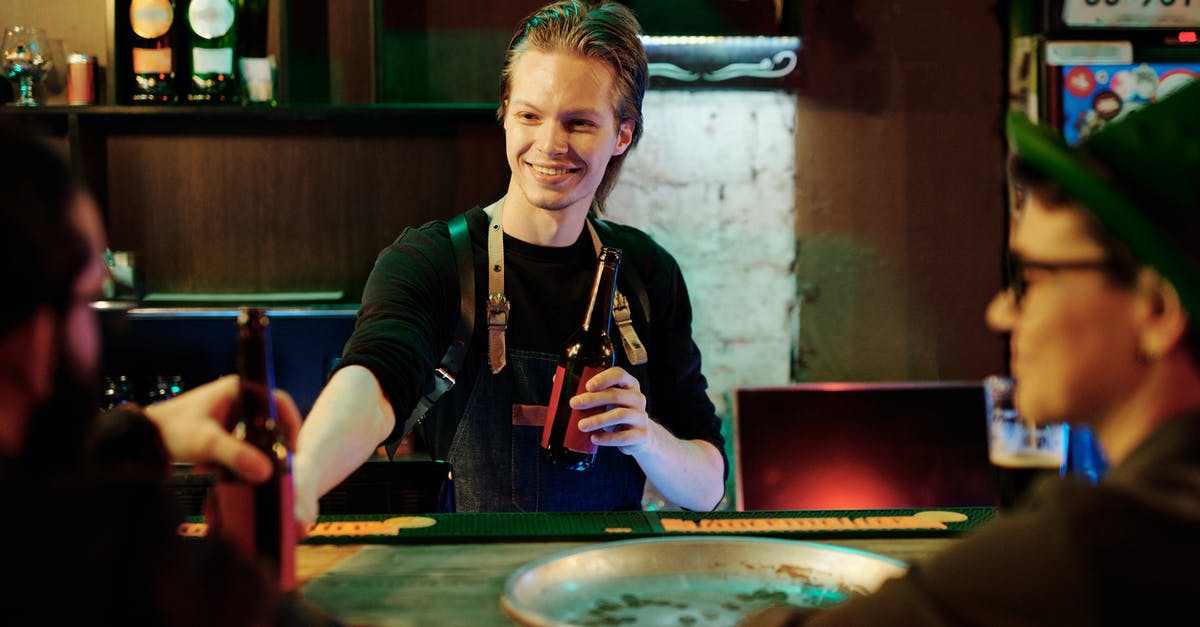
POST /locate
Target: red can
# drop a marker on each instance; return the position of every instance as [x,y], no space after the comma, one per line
[81,79]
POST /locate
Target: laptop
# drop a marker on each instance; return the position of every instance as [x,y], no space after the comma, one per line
[861,446]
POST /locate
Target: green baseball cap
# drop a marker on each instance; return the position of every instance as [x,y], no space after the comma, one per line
[1140,175]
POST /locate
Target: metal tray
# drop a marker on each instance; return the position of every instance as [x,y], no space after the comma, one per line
[688,580]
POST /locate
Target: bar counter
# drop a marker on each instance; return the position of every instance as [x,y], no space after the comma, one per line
[451,569]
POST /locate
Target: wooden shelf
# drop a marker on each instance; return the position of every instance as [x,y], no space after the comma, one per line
[147,311]
[268,200]
[64,120]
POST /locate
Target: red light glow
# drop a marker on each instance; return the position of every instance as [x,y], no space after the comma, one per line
[1187,37]
[845,486]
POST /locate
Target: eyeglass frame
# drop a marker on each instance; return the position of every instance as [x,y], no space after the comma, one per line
[1018,283]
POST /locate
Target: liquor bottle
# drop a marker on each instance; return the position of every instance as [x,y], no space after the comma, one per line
[158,392]
[152,51]
[212,28]
[258,519]
[165,387]
[588,351]
[255,64]
[117,391]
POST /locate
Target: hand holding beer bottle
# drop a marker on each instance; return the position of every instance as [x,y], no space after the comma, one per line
[588,351]
[258,519]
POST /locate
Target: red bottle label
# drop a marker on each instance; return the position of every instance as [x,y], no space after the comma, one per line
[235,517]
[573,439]
[287,535]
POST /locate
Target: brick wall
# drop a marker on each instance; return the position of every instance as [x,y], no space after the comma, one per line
[713,181]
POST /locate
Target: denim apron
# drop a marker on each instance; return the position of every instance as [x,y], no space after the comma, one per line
[496,451]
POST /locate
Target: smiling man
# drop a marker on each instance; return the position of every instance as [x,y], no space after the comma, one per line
[570,104]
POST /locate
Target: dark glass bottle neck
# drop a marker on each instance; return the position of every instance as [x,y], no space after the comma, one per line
[255,366]
[599,311]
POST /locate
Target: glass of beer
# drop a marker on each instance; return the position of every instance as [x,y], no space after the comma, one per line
[1021,452]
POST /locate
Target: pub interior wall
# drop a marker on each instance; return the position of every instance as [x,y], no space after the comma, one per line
[848,231]
[899,190]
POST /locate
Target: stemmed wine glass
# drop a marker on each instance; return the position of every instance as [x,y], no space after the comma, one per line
[25,59]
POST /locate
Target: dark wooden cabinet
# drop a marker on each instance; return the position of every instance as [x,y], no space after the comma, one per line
[219,201]
[285,206]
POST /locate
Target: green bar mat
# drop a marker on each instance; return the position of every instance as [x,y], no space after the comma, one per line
[878,523]
[482,527]
[588,526]
[599,526]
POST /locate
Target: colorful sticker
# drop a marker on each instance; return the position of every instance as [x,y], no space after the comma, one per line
[1093,95]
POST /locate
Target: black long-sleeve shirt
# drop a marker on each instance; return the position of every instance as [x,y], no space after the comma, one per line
[411,306]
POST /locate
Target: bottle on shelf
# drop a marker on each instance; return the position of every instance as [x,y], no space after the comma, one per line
[258,519]
[165,387]
[153,51]
[255,62]
[158,391]
[117,390]
[588,351]
[212,37]
[175,386]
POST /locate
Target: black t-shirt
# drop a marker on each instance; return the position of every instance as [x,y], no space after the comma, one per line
[411,306]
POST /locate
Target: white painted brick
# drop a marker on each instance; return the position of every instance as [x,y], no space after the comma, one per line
[713,181]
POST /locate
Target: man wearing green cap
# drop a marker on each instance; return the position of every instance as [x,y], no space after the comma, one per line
[1102,313]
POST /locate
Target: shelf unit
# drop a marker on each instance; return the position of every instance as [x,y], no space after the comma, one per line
[270,200]
[199,344]
[262,202]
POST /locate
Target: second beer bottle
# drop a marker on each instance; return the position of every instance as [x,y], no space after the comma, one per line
[258,519]
[588,351]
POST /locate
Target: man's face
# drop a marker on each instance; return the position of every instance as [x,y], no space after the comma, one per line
[1072,335]
[81,331]
[560,129]
[56,428]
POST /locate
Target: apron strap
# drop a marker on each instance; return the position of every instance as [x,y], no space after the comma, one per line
[635,351]
[498,306]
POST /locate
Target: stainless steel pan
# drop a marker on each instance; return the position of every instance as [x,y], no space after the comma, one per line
[687,580]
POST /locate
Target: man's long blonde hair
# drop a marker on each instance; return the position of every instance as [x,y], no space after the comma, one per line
[607,32]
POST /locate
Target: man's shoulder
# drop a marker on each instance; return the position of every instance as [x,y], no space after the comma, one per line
[631,239]
[436,232]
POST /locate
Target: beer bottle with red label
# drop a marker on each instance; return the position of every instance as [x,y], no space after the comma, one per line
[588,351]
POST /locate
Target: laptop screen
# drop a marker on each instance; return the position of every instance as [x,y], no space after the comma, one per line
[861,446]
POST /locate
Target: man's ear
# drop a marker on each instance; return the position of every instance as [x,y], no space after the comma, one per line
[624,136]
[27,355]
[1163,322]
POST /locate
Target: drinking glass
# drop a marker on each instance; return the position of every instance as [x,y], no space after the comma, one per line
[1020,451]
[25,60]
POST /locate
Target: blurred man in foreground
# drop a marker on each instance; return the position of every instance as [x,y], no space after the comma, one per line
[89,530]
[1102,310]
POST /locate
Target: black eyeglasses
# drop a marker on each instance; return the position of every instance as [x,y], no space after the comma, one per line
[1018,271]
